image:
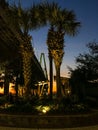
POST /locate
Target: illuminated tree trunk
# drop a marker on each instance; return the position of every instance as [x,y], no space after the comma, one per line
[16,88]
[51,74]
[57,56]
[27,55]
[6,83]
[27,72]
[58,82]
[50,40]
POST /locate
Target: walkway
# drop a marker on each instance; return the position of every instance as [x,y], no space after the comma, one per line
[78,128]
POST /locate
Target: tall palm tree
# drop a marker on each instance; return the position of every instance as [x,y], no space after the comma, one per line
[20,25]
[65,24]
[20,22]
[26,48]
[11,19]
[51,11]
[62,22]
[28,20]
[56,45]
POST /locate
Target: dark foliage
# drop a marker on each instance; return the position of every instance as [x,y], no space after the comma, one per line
[86,72]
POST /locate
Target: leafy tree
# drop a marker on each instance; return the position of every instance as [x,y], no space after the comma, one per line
[86,70]
[89,61]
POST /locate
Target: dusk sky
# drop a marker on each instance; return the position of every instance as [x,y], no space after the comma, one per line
[86,12]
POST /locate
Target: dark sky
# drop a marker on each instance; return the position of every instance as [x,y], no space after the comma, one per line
[87,13]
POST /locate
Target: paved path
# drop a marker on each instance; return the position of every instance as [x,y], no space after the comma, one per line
[78,128]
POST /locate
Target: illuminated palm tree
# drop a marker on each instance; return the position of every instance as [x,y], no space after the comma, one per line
[56,45]
[66,24]
[20,22]
[28,20]
[26,49]
[51,14]
[14,21]
[62,22]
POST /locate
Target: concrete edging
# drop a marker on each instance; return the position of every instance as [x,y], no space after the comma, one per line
[44,121]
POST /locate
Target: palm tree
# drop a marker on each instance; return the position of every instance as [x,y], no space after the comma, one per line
[56,45]
[28,20]
[26,48]
[61,22]
[51,11]
[54,50]
[65,24]
[20,21]
[20,26]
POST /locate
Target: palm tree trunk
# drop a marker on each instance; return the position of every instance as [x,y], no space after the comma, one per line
[51,75]
[27,72]
[16,88]
[57,56]
[27,55]
[6,83]
[58,83]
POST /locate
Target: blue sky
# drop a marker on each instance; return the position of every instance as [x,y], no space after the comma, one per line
[87,13]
